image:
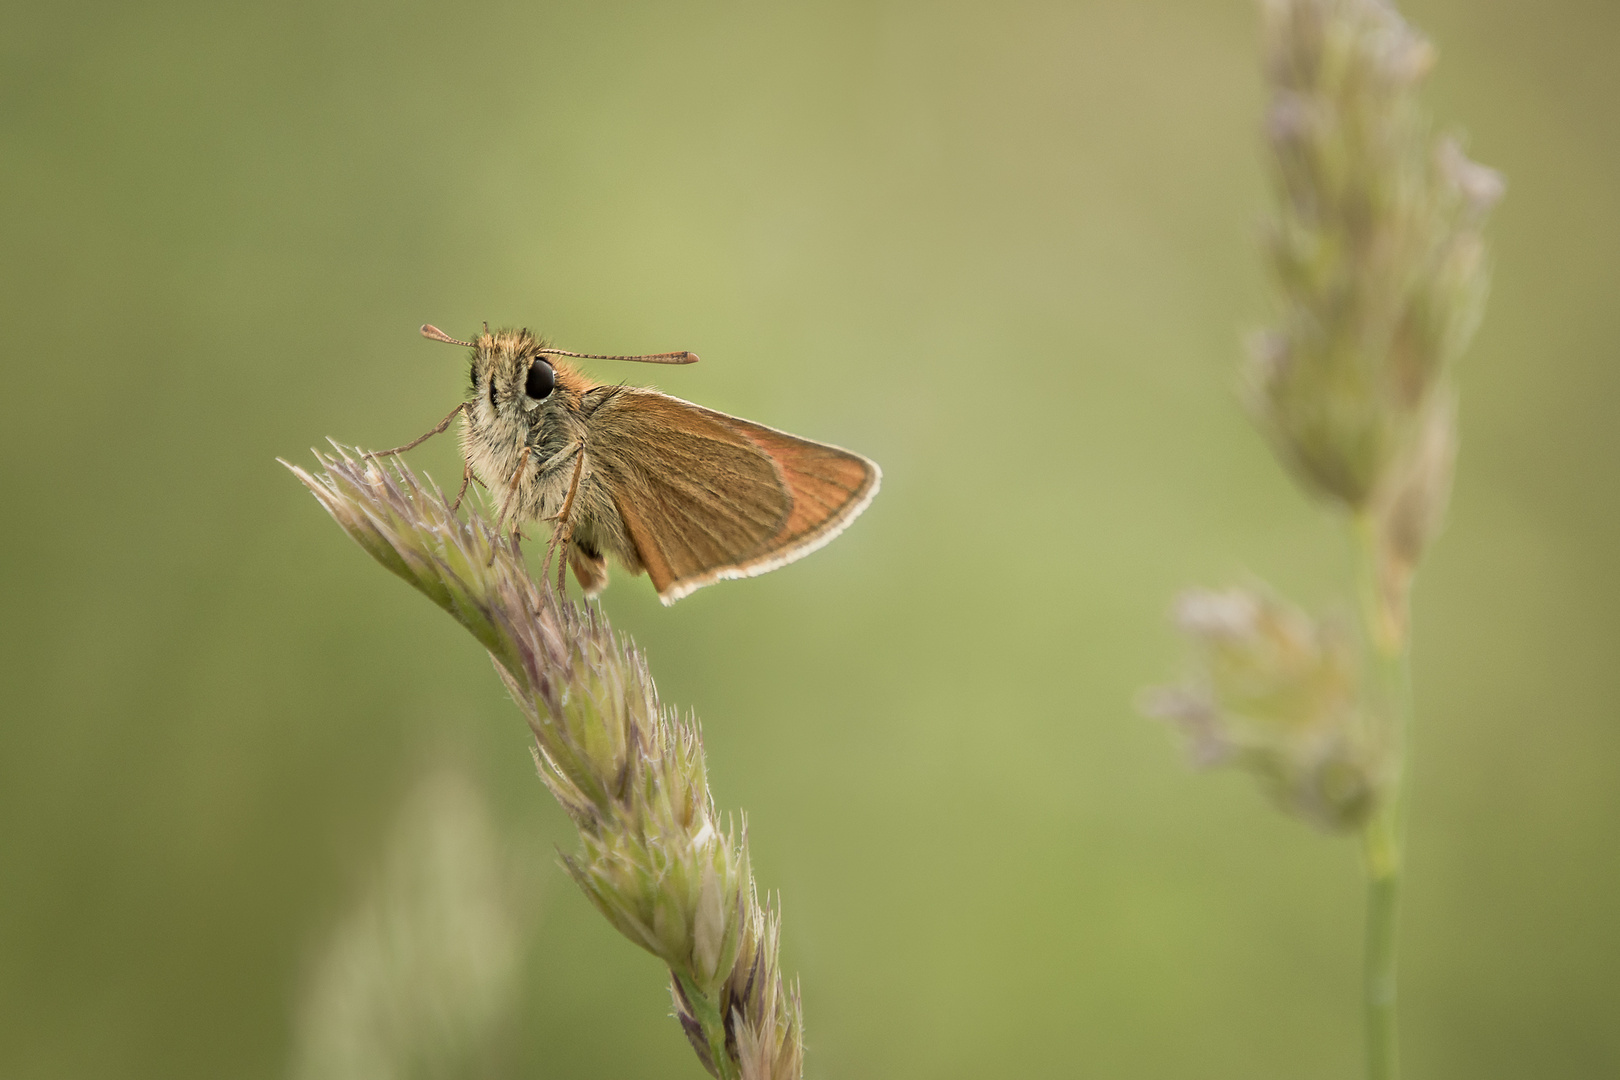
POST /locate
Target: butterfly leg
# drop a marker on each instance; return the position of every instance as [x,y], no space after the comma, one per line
[564,523]
[466,478]
[511,491]
[414,443]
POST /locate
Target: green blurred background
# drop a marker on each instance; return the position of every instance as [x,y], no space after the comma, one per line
[1007,251]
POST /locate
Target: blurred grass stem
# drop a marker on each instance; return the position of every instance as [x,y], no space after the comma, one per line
[1383,834]
[1378,989]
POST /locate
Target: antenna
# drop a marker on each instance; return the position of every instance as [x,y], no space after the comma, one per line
[433,333]
[648,358]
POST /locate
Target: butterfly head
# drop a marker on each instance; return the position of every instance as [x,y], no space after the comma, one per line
[512,380]
[518,380]
[510,375]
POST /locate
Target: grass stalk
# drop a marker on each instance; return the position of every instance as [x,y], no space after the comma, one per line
[1381,267]
[656,859]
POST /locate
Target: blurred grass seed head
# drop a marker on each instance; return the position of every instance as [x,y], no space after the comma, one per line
[419,976]
[1376,247]
[1276,692]
[1381,268]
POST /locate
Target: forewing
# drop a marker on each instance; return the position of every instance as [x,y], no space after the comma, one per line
[827,485]
[695,496]
[706,496]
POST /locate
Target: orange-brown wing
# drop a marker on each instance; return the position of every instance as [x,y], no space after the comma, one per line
[705,496]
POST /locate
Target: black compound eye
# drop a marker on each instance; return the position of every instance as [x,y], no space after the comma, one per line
[542,380]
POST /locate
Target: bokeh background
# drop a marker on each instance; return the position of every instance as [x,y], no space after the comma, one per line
[1007,250]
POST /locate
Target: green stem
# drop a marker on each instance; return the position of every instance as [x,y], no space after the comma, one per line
[707,1014]
[1386,634]
[1378,987]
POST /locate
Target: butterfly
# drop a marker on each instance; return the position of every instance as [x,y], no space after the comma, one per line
[688,495]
